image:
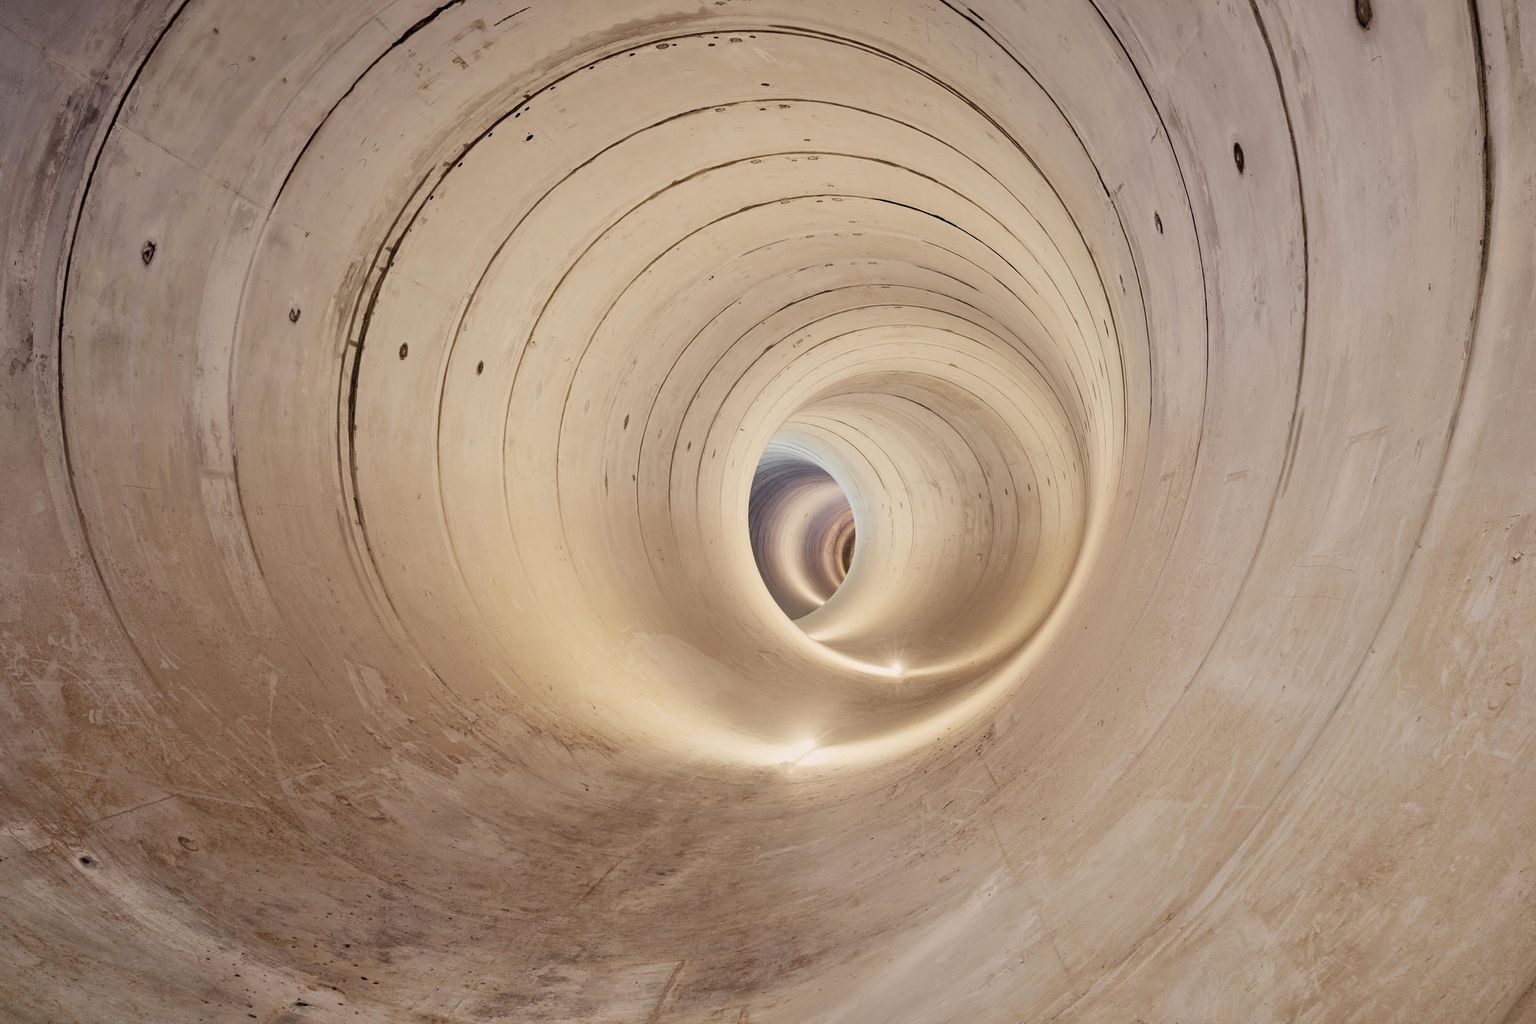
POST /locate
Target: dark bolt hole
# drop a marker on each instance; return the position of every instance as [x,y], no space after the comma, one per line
[87,860]
[147,254]
[405,350]
[1363,13]
[293,315]
[1237,156]
[1157,219]
[479,367]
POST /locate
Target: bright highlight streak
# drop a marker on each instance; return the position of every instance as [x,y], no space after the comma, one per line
[794,754]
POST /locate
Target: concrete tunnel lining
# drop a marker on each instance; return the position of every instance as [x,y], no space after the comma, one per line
[387,381]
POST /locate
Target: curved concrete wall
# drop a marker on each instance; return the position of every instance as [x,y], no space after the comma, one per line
[392,630]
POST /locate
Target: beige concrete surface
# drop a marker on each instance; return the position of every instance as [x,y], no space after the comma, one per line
[1133,619]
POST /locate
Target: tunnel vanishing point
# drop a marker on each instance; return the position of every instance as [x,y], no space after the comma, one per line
[768,511]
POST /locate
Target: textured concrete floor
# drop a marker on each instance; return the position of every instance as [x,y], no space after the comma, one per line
[388,633]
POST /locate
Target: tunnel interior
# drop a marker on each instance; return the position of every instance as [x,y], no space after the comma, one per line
[855,512]
[803,529]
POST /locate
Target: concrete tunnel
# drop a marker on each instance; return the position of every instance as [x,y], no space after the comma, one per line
[853,512]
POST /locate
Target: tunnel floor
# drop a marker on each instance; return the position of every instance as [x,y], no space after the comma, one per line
[856,512]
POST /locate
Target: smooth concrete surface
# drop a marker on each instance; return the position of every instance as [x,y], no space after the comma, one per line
[392,631]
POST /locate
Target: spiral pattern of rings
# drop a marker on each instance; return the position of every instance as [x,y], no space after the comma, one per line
[838,512]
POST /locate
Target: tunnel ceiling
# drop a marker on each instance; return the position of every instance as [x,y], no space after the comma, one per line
[767,511]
